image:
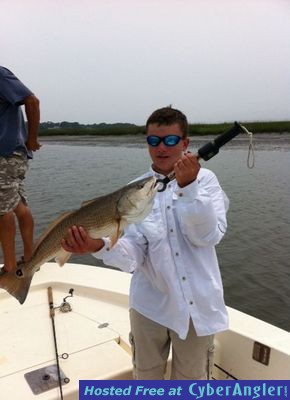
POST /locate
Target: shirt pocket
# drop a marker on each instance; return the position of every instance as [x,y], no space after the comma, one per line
[153,226]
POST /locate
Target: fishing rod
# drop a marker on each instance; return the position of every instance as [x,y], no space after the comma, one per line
[210,149]
[52,314]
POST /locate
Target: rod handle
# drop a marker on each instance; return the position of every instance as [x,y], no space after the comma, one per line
[222,139]
[50,301]
[210,149]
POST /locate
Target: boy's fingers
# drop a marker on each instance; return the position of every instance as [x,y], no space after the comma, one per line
[76,235]
[83,233]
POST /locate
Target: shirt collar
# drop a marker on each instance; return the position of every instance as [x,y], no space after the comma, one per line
[156,174]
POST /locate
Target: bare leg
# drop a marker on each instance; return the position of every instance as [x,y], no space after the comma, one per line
[7,238]
[26,225]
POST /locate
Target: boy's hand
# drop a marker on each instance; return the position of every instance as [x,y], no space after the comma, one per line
[79,242]
[186,169]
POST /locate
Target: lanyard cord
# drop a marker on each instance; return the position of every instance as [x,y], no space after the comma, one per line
[251,154]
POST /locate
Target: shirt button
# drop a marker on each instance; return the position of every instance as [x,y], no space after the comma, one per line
[180,194]
[168,207]
[184,278]
[191,302]
[171,230]
[177,254]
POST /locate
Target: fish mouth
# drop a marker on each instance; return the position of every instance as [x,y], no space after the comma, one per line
[153,187]
[150,193]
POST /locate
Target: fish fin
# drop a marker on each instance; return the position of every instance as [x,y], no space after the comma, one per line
[17,286]
[62,257]
[115,235]
[50,227]
[86,202]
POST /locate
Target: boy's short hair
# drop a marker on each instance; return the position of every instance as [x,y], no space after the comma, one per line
[169,116]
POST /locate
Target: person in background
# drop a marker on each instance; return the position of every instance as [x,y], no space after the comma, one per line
[176,292]
[16,146]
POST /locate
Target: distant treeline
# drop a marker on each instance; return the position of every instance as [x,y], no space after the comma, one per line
[74,128]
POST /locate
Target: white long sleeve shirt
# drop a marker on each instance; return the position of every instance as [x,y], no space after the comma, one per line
[172,254]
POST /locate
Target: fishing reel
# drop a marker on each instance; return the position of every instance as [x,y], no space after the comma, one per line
[65,305]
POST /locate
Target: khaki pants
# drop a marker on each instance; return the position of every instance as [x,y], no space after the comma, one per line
[192,358]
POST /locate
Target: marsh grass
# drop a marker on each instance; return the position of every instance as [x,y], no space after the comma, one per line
[194,129]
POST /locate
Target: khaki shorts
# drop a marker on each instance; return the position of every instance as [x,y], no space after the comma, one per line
[12,174]
[192,358]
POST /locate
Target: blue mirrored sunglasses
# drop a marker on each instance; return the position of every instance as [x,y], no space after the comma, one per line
[170,140]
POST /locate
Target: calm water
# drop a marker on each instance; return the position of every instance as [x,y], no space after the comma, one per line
[254,254]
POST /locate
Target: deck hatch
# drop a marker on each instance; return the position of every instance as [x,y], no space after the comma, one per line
[261,353]
[44,379]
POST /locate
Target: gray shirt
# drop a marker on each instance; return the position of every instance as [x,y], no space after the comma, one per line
[13,133]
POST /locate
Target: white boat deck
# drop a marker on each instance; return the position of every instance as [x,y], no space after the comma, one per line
[95,335]
[235,348]
[96,350]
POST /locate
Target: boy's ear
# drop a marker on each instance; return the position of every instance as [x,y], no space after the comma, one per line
[185,144]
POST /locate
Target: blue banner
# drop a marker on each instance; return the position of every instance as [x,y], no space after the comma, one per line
[185,390]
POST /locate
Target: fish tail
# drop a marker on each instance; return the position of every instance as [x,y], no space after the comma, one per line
[17,286]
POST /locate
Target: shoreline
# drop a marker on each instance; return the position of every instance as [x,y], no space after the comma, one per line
[260,140]
[141,138]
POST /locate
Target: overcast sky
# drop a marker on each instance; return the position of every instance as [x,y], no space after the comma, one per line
[118,60]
